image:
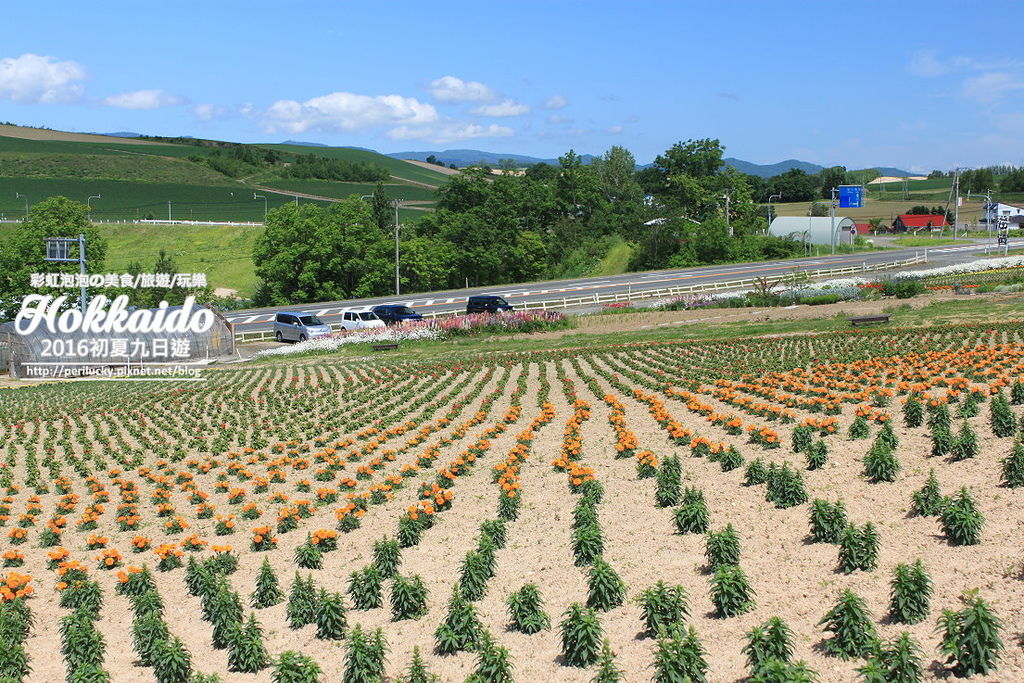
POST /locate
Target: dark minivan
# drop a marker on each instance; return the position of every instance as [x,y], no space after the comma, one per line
[392,314]
[487,304]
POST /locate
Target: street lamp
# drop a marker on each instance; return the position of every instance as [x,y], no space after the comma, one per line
[988,211]
[770,198]
[17,195]
[88,202]
[264,198]
[398,287]
[726,198]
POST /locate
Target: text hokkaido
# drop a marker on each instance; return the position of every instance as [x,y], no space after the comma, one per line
[37,309]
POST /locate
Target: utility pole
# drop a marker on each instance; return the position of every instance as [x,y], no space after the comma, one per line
[81,268]
[168,209]
[25,197]
[956,196]
[398,286]
[770,198]
[264,198]
[832,215]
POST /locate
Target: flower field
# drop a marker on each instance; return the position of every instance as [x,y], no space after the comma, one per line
[833,507]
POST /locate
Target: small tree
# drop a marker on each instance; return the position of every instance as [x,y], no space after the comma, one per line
[268,592]
[581,636]
[911,592]
[772,640]
[961,520]
[971,638]
[1013,467]
[853,633]
[680,656]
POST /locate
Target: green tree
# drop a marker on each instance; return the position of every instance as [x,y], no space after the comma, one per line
[383,210]
[308,253]
[830,178]
[1013,181]
[24,252]
[616,171]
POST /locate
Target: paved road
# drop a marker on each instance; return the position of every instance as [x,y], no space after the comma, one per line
[259,320]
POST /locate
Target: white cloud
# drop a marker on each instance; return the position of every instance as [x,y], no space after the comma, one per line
[143,99]
[347,111]
[555,102]
[208,112]
[452,89]
[35,79]
[502,109]
[991,87]
[613,130]
[450,132]
[924,63]
[558,119]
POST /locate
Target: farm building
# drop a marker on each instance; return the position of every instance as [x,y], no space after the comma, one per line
[813,229]
[1014,213]
[911,222]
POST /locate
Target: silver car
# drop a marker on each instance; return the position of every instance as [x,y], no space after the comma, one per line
[290,326]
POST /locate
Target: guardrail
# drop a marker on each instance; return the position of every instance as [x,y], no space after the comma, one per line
[665,292]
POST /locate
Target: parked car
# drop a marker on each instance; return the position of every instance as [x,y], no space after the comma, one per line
[291,326]
[392,314]
[488,303]
[360,320]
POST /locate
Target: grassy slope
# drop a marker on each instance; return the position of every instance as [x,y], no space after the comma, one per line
[136,180]
[222,252]
[124,200]
[326,188]
[395,167]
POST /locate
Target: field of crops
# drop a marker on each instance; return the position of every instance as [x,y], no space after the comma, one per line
[714,510]
[123,200]
[327,188]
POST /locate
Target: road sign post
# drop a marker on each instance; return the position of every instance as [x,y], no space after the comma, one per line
[59,249]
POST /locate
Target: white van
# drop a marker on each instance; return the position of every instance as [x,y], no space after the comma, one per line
[360,320]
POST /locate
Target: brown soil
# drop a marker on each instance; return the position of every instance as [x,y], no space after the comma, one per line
[44,134]
[793,579]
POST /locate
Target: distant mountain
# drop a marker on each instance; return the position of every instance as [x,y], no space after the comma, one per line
[769,170]
[468,157]
[120,134]
[304,144]
[895,172]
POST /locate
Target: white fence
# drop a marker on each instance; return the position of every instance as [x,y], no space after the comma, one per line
[665,292]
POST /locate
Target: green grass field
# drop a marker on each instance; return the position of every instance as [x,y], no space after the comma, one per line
[395,167]
[926,242]
[877,208]
[223,252]
[9,144]
[137,180]
[133,168]
[122,200]
[326,188]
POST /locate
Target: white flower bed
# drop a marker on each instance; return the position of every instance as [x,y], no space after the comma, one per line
[387,335]
[971,267]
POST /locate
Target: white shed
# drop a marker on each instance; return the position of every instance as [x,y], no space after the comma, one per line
[814,229]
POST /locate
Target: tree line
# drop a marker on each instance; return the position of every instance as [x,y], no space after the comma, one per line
[553,221]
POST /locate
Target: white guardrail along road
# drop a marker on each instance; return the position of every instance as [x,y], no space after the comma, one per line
[558,303]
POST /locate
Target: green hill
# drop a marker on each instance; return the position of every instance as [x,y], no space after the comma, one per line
[137,179]
[396,167]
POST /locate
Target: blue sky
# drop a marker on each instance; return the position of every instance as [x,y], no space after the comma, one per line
[917,85]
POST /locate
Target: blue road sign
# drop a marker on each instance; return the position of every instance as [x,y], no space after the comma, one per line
[850,196]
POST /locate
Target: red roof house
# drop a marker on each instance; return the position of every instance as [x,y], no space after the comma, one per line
[863,228]
[918,221]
